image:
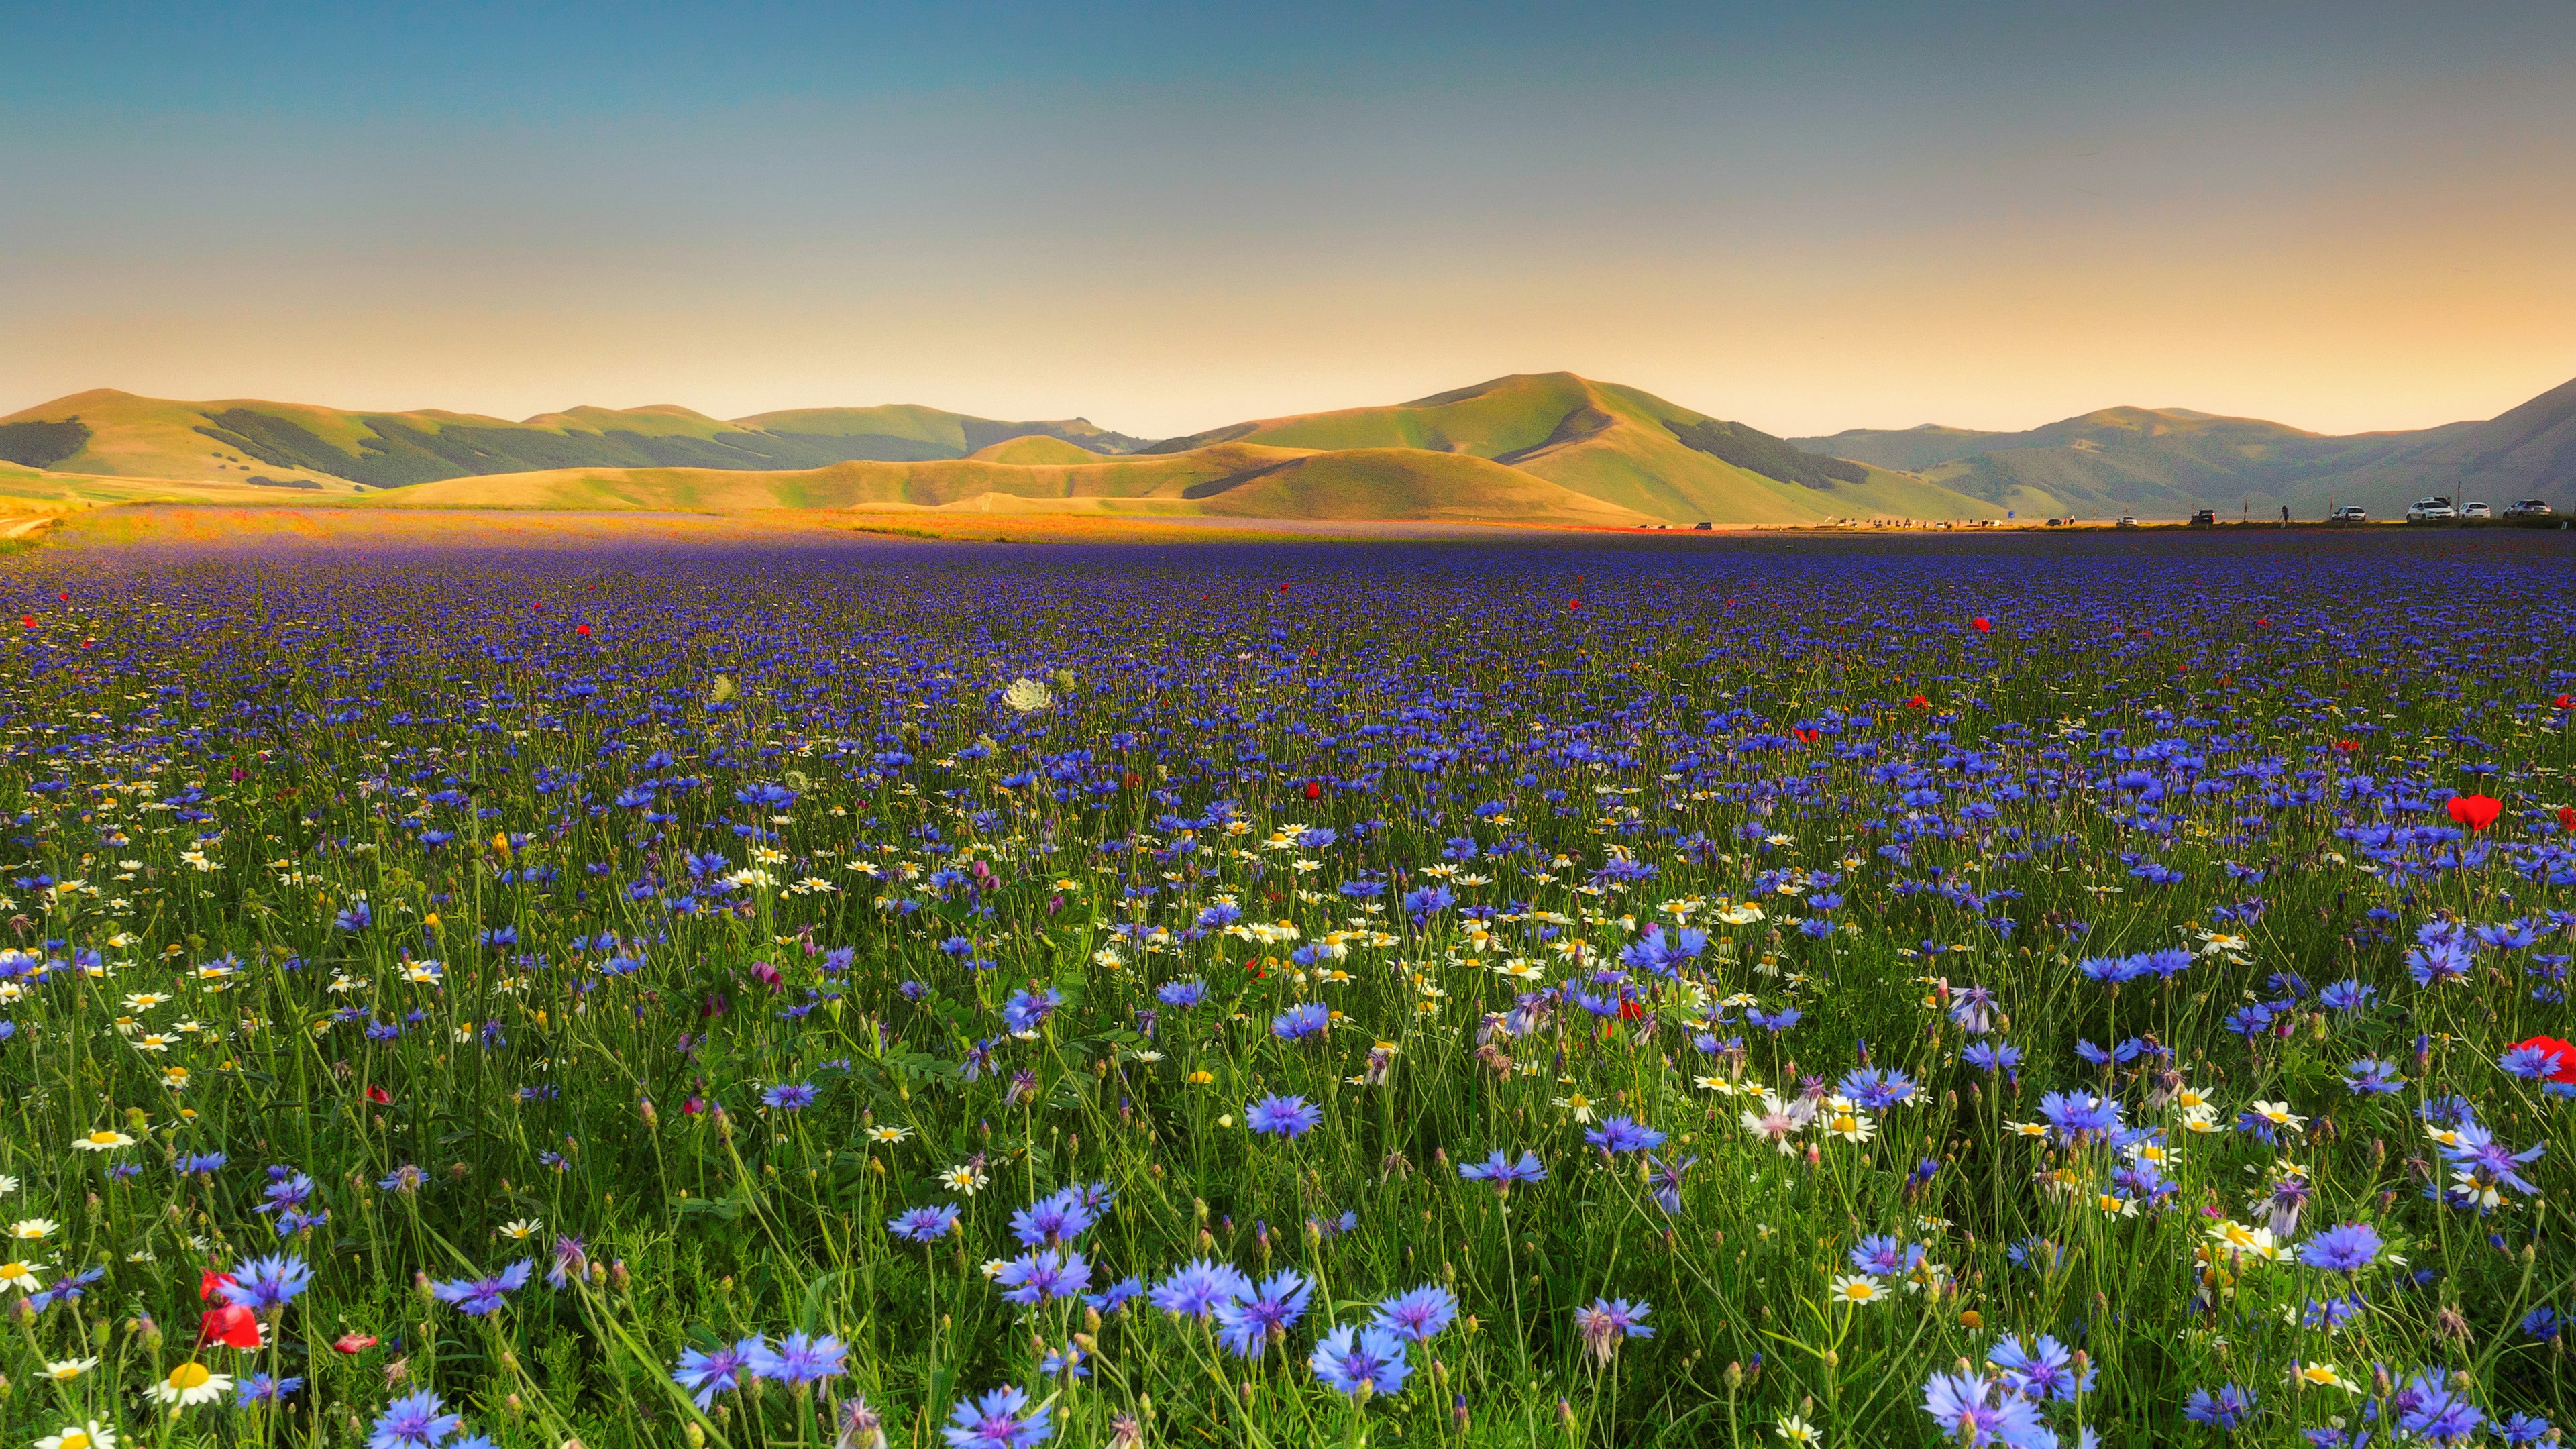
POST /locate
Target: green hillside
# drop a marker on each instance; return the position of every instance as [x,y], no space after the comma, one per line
[1621,446]
[1035,449]
[118,434]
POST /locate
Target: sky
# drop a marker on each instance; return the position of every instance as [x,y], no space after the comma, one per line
[1167,217]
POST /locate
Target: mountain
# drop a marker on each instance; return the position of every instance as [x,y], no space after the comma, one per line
[2167,462]
[1622,446]
[2527,452]
[332,450]
[1550,447]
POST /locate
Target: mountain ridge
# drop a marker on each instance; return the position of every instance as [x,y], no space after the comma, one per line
[2171,461]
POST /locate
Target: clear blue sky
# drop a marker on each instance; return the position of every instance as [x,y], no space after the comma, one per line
[1167,217]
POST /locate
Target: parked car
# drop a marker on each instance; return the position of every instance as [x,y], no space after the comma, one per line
[2476,510]
[2431,510]
[2527,508]
[2349,513]
[1704,526]
[2128,520]
[2204,518]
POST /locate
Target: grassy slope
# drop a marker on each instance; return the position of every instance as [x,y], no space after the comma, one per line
[1413,483]
[54,487]
[1231,479]
[141,437]
[1034,449]
[1606,441]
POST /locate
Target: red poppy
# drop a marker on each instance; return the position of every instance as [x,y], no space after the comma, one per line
[583,629]
[2475,811]
[1808,737]
[380,1096]
[2349,747]
[2262,622]
[2566,1067]
[2567,817]
[1574,606]
[354,1343]
[1982,624]
[1918,702]
[27,621]
[65,596]
[2564,701]
[211,1285]
[232,1325]
[1314,789]
[1283,588]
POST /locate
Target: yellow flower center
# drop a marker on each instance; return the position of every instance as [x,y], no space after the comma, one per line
[190,1376]
[74,1439]
[103,1139]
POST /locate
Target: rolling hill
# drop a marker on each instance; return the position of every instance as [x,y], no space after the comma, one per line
[335,450]
[1549,447]
[2166,462]
[1241,480]
[1625,447]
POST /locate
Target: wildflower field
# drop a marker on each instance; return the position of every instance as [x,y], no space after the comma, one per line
[1683,992]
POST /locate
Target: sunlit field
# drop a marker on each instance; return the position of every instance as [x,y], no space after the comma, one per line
[1672,992]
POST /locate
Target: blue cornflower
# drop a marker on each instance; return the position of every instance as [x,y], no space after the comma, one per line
[1503,1173]
[789,1096]
[1876,1088]
[2429,1407]
[1623,1134]
[2223,1410]
[2347,995]
[708,1372]
[1301,1021]
[2522,1429]
[1026,1010]
[2371,1077]
[2077,1116]
[1417,1315]
[2346,1249]
[1182,994]
[1002,1419]
[265,1285]
[1278,1116]
[482,1297]
[1361,1361]
[1886,1256]
[1115,1296]
[1992,1056]
[265,1389]
[1036,1277]
[798,1359]
[1609,1321]
[924,1225]
[2041,1370]
[2110,1055]
[415,1421]
[1060,1217]
[2532,1061]
[1199,1288]
[1246,1325]
[1975,1411]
